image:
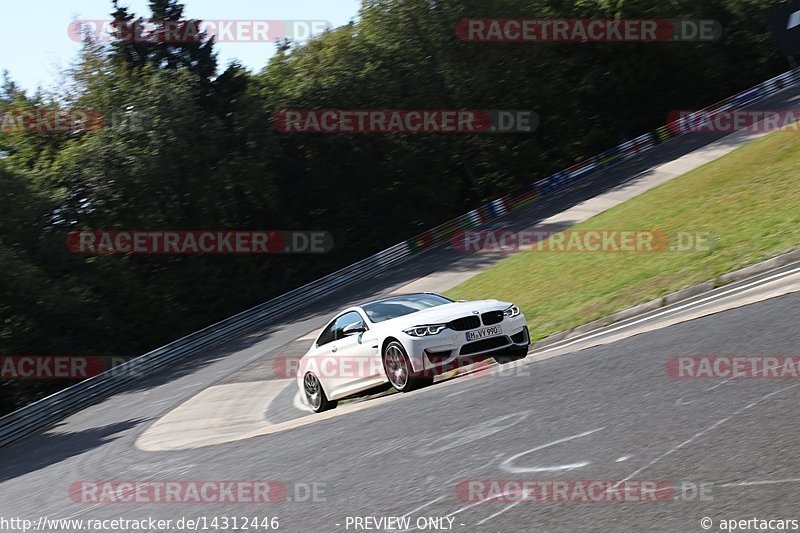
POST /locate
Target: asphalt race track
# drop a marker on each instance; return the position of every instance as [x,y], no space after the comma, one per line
[609,412]
[613,412]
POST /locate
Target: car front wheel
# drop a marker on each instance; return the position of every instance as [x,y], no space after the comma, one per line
[399,370]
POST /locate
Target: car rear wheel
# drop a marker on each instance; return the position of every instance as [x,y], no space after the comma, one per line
[399,370]
[316,395]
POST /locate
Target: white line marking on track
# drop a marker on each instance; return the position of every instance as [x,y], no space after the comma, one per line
[764,482]
[680,401]
[423,506]
[506,508]
[696,436]
[506,465]
[472,433]
[470,506]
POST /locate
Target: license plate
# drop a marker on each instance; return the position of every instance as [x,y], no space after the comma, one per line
[483,333]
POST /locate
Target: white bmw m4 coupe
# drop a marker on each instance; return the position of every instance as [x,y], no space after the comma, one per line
[404,342]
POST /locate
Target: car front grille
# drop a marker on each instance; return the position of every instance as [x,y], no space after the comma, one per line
[483,345]
[492,317]
[465,324]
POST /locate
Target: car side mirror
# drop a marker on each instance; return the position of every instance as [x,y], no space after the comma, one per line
[353,329]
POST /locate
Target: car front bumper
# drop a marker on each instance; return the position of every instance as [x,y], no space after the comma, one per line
[452,347]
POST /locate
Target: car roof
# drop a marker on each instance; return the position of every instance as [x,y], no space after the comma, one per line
[360,307]
[396,296]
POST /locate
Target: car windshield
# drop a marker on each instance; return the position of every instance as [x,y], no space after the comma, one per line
[403,305]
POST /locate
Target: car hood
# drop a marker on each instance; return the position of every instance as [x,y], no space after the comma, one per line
[445,313]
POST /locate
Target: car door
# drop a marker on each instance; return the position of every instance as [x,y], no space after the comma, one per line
[321,351]
[352,367]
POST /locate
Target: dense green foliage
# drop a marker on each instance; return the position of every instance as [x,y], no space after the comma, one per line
[187,145]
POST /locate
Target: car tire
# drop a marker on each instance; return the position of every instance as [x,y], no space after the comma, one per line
[399,371]
[510,355]
[315,394]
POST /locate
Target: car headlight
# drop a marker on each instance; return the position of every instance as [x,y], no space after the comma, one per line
[424,331]
[511,311]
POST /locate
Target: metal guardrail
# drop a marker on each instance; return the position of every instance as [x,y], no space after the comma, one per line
[72,399]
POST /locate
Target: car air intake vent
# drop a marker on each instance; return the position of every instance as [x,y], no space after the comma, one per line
[520,337]
[482,346]
[492,317]
[464,324]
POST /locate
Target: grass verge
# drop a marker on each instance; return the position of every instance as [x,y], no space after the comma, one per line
[749,200]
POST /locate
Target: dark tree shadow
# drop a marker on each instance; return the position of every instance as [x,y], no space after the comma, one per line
[48,447]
